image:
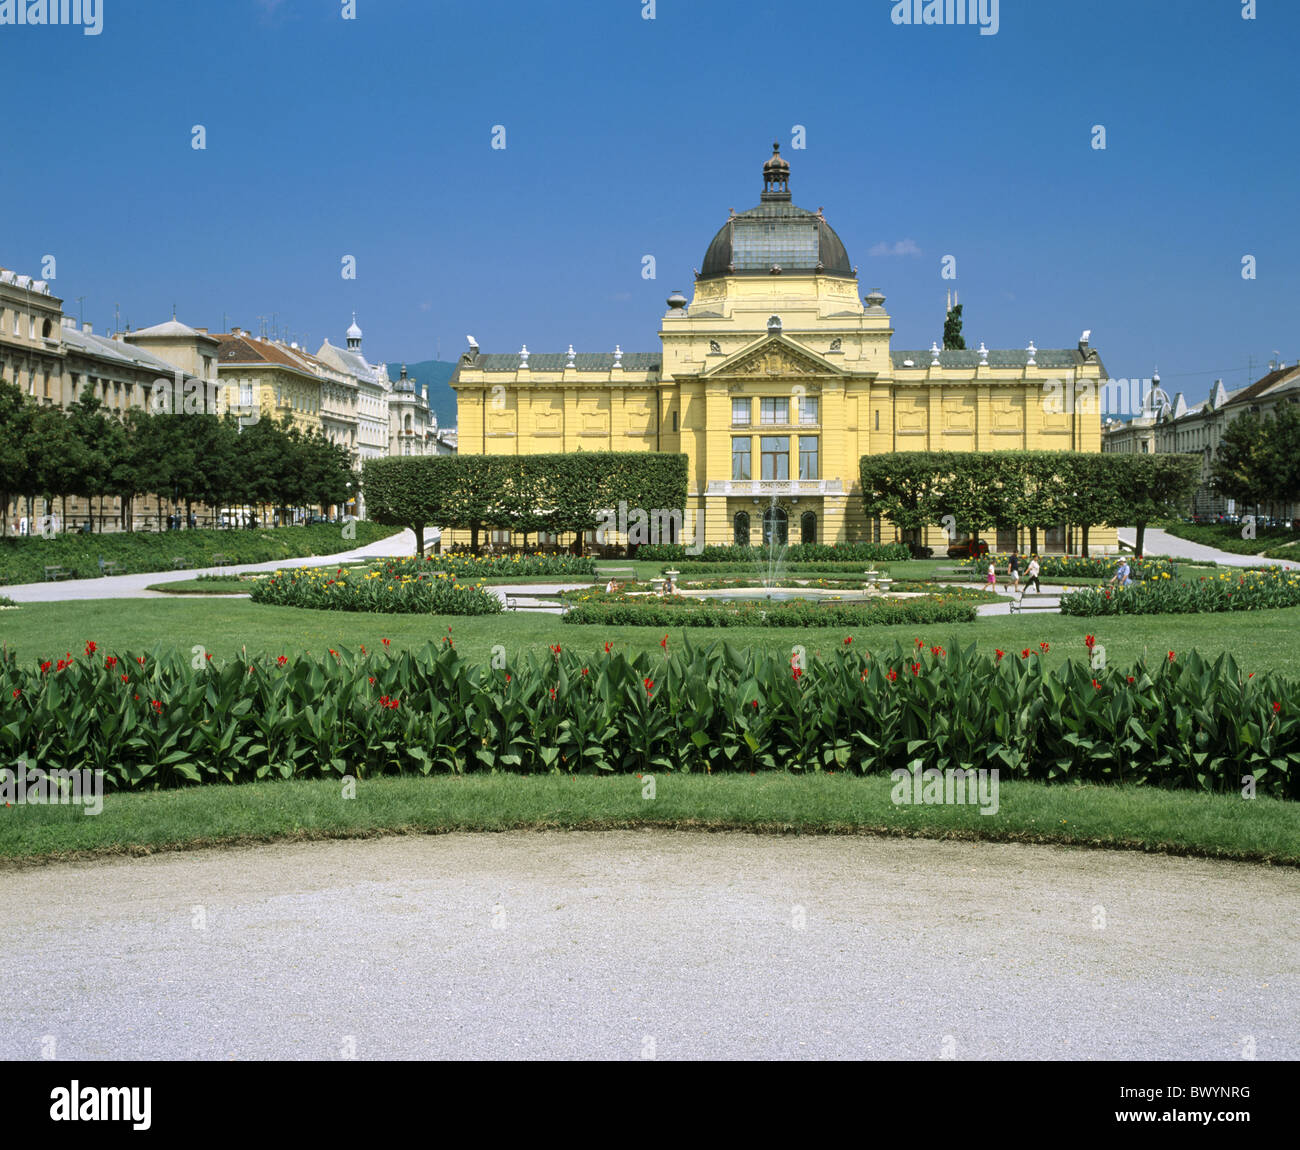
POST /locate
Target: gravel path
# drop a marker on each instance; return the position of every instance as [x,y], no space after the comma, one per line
[624,945]
[1157,542]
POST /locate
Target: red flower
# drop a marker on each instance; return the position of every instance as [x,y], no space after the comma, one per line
[63,663]
[135,696]
[140,659]
[937,651]
[207,656]
[1090,641]
[385,642]
[383,700]
[999,652]
[126,678]
[919,644]
[393,705]
[649,685]
[157,706]
[45,666]
[892,675]
[1130,678]
[848,639]
[552,689]
[333,652]
[1171,656]
[1277,708]
[584,670]
[1025,653]
[282,659]
[1044,647]
[606,648]
[17,691]
[1096,684]
[91,648]
[507,678]
[556,650]
[372,680]
[1251,675]
[916,668]
[797,672]
[664,642]
[110,662]
[756,704]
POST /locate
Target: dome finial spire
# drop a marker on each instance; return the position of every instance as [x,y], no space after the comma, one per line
[776,176]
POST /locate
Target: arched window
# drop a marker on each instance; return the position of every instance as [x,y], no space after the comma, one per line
[776,527]
[808,527]
[47,329]
[741,528]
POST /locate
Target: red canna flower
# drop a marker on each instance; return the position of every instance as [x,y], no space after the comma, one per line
[45,666]
[607,648]
[207,657]
[1096,685]
[282,659]
[919,644]
[1025,653]
[1044,647]
[552,690]
[157,706]
[135,696]
[556,650]
[1130,678]
[1171,656]
[394,704]
[797,672]
[363,648]
[507,678]
[1277,708]
[385,642]
[892,675]
[756,704]
[372,680]
[126,678]
[999,652]
[848,639]
[334,652]
[1251,675]
[140,659]
[584,671]
[916,668]
[110,662]
[1090,641]
[649,686]
[17,691]
[664,642]
[91,647]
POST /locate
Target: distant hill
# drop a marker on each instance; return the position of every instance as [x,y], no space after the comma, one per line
[431,377]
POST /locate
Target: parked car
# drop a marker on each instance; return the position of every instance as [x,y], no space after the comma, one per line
[920,552]
[968,548]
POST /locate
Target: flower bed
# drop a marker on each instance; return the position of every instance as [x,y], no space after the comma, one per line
[488,566]
[151,722]
[1248,591]
[1075,566]
[683,611]
[356,589]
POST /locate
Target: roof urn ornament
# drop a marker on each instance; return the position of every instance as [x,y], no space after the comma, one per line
[572,355]
[618,357]
[523,358]
[934,354]
[676,301]
[1033,351]
[984,354]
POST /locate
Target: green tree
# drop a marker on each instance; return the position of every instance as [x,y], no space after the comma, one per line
[952,337]
[16,462]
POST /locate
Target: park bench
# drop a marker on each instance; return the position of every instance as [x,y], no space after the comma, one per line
[513,604]
[220,561]
[180,563]
[111,567]
[1039,601]
[960,574]
[57,573]
[627,574]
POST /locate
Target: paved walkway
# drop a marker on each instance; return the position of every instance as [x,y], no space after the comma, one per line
[1157,542]
[135,586]
[627,945]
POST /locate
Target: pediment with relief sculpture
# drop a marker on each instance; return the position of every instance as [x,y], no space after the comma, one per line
[775,358]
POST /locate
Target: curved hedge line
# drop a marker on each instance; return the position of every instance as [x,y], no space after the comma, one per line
[152,721]
[1249,591]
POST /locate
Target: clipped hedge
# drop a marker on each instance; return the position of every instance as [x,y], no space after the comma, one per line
[502,566]
[686,612]
[153,721]
[360,589]
[761,556]
[1249,591]
[23,559]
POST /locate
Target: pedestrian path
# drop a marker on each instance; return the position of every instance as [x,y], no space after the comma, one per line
[1157,542]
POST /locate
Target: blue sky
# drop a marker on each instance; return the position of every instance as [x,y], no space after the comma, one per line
[626,136]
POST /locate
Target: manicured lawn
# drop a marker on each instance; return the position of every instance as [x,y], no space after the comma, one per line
[1216,826]
[1259,640]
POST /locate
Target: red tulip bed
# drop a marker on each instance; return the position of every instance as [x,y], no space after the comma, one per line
[165,720]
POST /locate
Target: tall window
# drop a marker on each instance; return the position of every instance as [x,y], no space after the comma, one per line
[740,451]
[808,468]
[740,412]
[246,392]
[775,409]
[740,528]
[808,527]
[776,527]
[776,457]
[808,412]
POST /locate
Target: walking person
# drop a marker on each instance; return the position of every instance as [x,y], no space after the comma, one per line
[992,578]
[1123,576]
[1013,570]
[1031,575]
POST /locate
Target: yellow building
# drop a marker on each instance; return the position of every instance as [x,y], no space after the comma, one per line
[774,380]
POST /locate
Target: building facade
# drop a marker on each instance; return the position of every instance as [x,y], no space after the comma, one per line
[773,380]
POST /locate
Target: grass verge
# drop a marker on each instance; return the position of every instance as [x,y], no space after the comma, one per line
[1123,818]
